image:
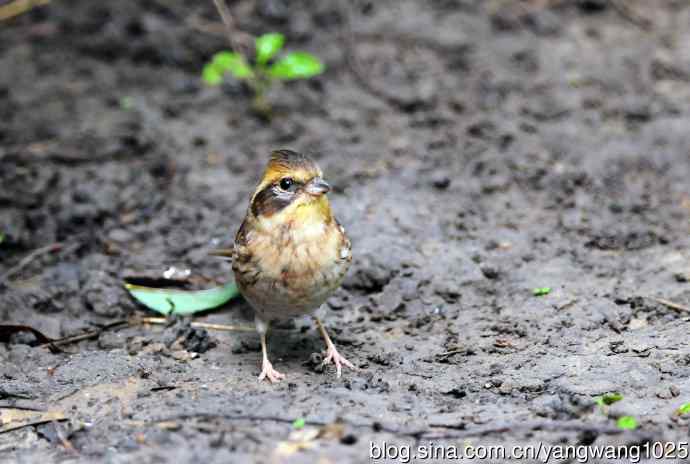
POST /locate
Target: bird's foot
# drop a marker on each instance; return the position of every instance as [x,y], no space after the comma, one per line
[336,358]
[267,372]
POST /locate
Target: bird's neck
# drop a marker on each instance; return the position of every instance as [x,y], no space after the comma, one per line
[304,221]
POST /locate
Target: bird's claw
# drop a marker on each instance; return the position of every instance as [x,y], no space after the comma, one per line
[267,372]
[339,360]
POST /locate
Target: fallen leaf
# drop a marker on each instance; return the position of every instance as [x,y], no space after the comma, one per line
[12,419]
[7,330]
[175,301]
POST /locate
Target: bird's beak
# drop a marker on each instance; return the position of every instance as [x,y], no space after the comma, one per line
[317,186]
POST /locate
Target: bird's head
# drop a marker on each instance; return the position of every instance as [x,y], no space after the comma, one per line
[292,190]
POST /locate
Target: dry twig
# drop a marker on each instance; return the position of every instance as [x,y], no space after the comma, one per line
[671,304]
[27,260]
[627,13]
[92,333]
[200,325]
[18,7]
[239,41]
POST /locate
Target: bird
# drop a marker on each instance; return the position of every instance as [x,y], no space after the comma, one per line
[290,253]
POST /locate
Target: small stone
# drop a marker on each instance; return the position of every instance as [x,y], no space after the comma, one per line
[154,348]
[119,235]
[457,393]
[441,182]
[110,340]
[636,324]
[664,393]
[316,363]
[506,388]
[409,290]
[183,355]
[489,272]
[592,6]
[135,345]
[618,347]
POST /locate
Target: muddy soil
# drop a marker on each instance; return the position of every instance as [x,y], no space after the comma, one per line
[487,149]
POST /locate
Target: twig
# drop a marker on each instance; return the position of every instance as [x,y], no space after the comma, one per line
[567,304]
[201,325]
[18,7]
[139,321]
[27,260]
[448,354]
[16,422]
[93,333]
[670,304]
[629,14]
[239,41]
[207,27]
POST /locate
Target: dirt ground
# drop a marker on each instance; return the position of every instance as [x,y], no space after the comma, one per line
[487,149]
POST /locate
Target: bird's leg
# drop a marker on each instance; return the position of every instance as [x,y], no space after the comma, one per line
[331,353]
[267,371]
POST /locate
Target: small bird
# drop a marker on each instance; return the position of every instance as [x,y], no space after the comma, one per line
[290,253]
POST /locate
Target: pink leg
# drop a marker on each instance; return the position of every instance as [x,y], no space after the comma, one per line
[267,371]
[332,354]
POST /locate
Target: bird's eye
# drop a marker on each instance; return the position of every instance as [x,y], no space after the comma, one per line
[286,183]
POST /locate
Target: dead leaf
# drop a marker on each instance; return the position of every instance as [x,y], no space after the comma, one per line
[12,419]
[183,355]
[332,431]
[308,438]
[7,330]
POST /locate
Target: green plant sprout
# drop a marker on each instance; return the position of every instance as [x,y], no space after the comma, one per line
[627,423]
[298,424]
[264,70]
[684,409]
[608,399]
[542,291]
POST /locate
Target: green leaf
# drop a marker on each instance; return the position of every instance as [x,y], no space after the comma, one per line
[211,75]
[296,65]
[171,301]
[684,409]
[627,423]
[2,237]
[298,423]
[267,46]
[608,399]
[126,103]
[231,62]
[541,291]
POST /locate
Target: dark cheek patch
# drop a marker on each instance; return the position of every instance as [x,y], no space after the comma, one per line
[268,202]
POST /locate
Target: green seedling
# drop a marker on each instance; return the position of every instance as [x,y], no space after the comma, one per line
[608,399]
[541,291]
[126,103]
[298,424]
[265,69]
[627,423]
[684,409]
